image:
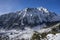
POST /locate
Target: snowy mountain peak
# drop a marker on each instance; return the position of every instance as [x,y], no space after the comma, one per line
[43,9]
[39,8]
[36,10]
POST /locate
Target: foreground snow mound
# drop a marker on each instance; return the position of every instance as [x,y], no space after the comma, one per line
[53,37]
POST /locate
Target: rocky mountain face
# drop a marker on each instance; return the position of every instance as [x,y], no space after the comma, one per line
[28,17]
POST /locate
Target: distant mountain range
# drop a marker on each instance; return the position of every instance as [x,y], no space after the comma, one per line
[29,17]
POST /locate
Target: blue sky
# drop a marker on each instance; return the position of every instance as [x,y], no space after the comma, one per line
[16,5]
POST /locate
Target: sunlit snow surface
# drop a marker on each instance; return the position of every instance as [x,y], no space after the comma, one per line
[53,37]
[17,34]
[25,34]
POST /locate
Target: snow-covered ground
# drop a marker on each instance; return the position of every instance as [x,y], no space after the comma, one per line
[18,34]
[27,34]
[53,37]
